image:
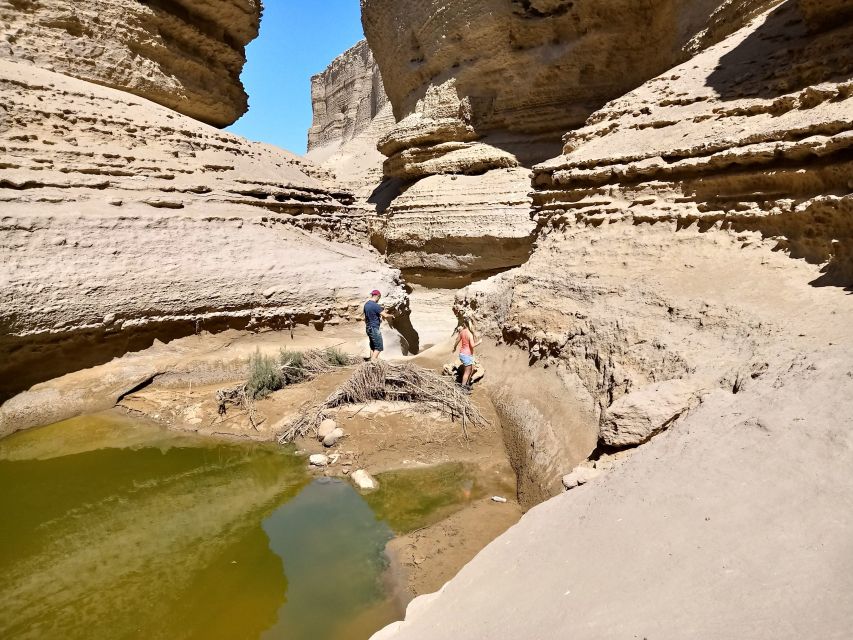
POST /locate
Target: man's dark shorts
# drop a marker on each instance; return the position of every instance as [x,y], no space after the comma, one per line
[374,334]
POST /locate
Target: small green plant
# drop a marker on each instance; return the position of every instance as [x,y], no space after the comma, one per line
[265,376]
[292,365]
[337,358]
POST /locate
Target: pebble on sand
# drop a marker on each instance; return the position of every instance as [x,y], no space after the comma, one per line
[580,475]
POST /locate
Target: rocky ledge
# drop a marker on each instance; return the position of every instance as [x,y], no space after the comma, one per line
[756,137]
[485,88]
[184,54]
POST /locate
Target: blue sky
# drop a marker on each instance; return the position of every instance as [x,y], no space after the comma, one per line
[298,39]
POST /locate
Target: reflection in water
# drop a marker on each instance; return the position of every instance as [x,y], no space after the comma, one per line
[115,530]
[440,491]
[329,537]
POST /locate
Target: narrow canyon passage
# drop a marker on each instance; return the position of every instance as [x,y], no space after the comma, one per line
[645,209]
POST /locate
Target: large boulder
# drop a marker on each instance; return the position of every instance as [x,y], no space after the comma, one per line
[184,54]
[639,415]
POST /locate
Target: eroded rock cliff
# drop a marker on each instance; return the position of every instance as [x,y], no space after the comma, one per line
[346,98]
[184,54]
[754,134]
[351,115]
[689,291]
[481,87]
[672,225]
[123,221]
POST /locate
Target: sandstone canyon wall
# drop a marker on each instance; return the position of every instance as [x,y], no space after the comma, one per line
[123,221]
[351,115]
[184,54]
[689,289]
[346,97]
[487,88]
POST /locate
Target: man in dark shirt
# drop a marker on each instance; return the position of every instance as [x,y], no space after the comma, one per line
[373,314]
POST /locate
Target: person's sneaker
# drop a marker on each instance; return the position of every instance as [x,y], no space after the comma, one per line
[466,389]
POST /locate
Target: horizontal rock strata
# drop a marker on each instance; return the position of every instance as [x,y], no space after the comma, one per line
[757,136]
[346,97]
[668,288]
[481,87]
[351,115]
[123,221]
[487,226]
[184,54]
[521,72]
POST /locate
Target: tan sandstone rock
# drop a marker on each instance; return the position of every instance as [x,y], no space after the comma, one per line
[346,97]
[487,227]
[479,87]
[351,115]
[753,134]
[184,54]
[660,257]
[523,71]
[123,221]
[636,417]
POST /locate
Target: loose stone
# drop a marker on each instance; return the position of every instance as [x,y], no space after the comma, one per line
[364,480]
[319,460]
[326,428]
[332,439]
[580,475]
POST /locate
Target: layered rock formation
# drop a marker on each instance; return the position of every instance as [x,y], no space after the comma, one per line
[351,115]
[346,98]
[661,204]
[688,292]
[184,54]
[487,85]
[752,135]
[123,221]
[448,224]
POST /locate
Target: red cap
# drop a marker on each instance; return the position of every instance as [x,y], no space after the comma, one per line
[376,292]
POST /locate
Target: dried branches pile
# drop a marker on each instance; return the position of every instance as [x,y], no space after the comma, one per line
[268,374]
[403,382]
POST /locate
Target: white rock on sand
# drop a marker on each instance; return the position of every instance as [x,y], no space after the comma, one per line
[319,460]
[364,480]
[579,476]
[332,439]
[326,427]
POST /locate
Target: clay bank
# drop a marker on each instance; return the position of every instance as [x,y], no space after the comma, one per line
[647,213]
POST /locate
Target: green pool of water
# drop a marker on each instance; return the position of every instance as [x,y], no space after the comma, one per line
[111,529]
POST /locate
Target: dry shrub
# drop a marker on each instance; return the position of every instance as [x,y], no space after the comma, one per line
[267,375]
[400,382]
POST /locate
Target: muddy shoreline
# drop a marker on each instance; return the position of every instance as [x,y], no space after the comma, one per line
[174,386]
